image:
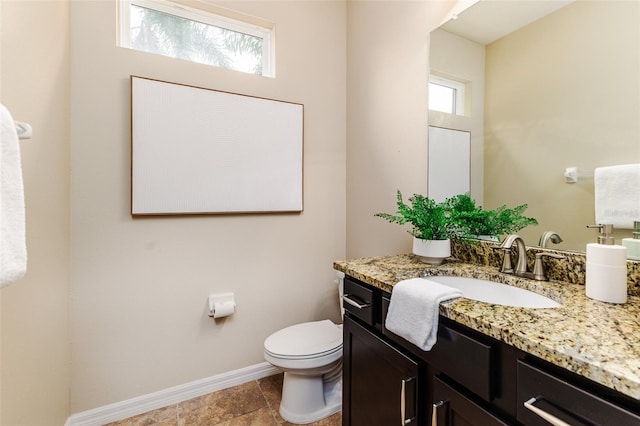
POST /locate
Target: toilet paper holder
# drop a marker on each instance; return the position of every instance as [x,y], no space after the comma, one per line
[221,305]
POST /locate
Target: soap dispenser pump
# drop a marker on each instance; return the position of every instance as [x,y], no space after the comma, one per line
[606,275]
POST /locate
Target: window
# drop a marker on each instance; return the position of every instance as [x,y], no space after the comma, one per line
[169,29]
[446,95]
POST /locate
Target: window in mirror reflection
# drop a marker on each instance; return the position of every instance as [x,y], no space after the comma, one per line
[446,95]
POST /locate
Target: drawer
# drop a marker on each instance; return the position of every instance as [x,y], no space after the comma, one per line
[465,360]
[565,401]
[358,301]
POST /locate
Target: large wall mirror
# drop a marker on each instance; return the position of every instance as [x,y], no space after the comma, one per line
[561,89]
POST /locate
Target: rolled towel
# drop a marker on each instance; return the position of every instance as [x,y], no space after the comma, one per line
[13,250]
[414,309]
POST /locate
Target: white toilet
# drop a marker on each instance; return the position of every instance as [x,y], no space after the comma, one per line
[310,354]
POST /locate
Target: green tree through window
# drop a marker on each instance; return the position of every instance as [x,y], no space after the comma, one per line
[170,35]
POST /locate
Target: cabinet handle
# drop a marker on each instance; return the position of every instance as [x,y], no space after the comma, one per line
[403,402]
[355,303]
[548,417]
[434,413]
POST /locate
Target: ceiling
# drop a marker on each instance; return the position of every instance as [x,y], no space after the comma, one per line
[488,20]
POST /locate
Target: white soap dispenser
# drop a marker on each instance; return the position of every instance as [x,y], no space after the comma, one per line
[633,244]
[606,278]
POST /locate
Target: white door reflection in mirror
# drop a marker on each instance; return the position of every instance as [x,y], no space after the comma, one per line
[449,163]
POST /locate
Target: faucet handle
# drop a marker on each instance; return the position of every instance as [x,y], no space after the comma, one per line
[507,267]
[538,268]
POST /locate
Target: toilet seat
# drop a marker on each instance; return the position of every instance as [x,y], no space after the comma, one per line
[309,340]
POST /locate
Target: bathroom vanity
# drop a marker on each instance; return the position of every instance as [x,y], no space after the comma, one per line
[581,360]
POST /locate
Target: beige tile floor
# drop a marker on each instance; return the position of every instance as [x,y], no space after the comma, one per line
[251,404]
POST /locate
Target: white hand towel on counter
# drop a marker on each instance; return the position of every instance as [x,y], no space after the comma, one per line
[617,195]
[13,249]
[414,309]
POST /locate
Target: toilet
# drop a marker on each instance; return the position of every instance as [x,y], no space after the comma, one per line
[310,354]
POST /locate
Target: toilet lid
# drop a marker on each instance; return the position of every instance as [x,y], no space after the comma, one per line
[301,340]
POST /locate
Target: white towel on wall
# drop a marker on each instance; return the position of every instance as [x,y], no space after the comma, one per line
[414,309]
[617,195]
[13,249]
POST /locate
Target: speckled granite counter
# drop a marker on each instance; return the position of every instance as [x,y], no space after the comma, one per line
[597,340]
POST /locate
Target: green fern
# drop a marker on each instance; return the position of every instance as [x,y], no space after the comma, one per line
[456,217]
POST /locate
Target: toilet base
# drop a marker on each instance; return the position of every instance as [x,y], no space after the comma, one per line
[307,399]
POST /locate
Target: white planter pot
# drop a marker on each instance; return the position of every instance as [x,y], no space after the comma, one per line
[487,238]
[432,251]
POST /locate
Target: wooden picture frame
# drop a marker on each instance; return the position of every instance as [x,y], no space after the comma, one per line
[203,151]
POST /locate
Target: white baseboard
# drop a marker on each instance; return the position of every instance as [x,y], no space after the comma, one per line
[142,404]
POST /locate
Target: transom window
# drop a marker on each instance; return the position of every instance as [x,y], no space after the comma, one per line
[170,29]
[446,95]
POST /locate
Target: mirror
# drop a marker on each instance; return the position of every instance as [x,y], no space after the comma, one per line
[560,90]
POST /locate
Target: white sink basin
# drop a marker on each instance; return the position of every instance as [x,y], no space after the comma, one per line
[497,293]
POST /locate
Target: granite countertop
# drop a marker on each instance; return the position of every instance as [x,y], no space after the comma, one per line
[597,340]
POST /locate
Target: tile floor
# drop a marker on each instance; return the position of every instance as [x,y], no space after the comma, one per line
[251,404]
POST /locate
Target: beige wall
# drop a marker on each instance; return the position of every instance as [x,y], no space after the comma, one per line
[388,48]
[35,82]
[562,92]
[140,286]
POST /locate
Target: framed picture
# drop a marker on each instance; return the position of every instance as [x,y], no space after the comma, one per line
[200,151]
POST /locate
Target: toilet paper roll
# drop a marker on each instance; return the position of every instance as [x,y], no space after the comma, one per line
[224,309]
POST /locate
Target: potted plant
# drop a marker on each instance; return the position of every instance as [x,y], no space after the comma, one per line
[488,224]
[431,226]
[434,224]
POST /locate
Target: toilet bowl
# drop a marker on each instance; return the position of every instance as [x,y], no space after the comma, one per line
[310,354]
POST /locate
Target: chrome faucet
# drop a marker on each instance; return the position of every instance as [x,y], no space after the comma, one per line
[521,267]
[549,236]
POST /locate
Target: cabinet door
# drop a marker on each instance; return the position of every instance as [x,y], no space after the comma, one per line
[451,408]
[380,383]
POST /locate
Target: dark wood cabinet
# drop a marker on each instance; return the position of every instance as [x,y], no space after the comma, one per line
[380,382]
[452,408]
[467,378]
